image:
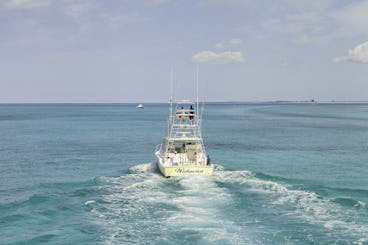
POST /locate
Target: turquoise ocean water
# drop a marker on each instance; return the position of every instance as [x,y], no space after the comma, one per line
[86,174]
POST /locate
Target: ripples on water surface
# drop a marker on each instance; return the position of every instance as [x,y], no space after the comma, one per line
[287,174]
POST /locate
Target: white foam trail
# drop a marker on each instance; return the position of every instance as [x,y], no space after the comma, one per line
[308,205]
[248,178]
[143,168]
[123,210]
[360,204]
[201,202]
[145,201]
[218,167]
[89,202]
[193,208]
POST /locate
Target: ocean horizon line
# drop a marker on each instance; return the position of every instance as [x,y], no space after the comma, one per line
[206,102]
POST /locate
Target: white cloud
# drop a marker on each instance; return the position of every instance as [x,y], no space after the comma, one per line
[158,2]
[210,57]
[273,4]
[243,3]
[26,4]
[352,19]
[357,54]
[305,4]
[78,9]
[301,28]
[117,20]
[305,22]
[232,43]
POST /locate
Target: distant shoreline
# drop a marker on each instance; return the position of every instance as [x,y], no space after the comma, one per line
[279,102]
[290,102]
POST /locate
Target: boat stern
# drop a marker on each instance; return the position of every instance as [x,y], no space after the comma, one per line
[172,171]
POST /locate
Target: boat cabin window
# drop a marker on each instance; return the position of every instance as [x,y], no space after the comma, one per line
[183,147]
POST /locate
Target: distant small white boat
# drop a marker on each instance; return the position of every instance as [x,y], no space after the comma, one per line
[140,106]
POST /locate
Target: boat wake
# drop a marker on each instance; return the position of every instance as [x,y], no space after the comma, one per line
[306,205]
[144,204]
[144,207]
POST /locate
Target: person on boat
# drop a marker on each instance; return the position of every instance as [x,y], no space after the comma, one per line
[191,113]
[179,113]
[208,160]
[176,159]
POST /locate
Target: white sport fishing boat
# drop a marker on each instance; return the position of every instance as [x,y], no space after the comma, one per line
[182,151]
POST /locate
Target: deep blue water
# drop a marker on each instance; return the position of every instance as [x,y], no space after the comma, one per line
[86,174]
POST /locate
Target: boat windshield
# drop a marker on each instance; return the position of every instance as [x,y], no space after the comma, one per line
[184,147]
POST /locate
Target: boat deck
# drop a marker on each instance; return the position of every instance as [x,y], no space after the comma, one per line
[183,160]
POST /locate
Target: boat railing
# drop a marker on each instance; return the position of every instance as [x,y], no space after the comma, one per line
[185,160]
[158,147]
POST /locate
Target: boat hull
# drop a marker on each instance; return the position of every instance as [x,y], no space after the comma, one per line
[171,171]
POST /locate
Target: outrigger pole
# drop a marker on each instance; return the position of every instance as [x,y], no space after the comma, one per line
[171,101]
[197,81]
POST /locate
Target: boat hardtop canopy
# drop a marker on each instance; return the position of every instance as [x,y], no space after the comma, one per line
[185,102]
[190,140]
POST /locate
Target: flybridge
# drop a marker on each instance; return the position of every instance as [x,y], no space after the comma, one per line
[185,122]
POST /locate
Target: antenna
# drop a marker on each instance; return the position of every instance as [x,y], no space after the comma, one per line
[171,98]
[171,88]
[197,81]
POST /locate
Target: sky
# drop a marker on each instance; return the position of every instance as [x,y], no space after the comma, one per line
[117,51]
